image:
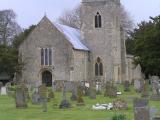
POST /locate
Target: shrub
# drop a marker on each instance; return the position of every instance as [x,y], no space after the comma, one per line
[119,117]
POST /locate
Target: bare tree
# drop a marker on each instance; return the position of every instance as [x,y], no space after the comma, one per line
[8,27]
[72,18]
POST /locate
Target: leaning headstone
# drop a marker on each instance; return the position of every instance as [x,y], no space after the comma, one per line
[3,91]
[20,97]
[42,89]
[141,109]
[126,86]
[155,88]
[64,103]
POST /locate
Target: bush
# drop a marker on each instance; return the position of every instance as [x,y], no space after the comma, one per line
[119,117]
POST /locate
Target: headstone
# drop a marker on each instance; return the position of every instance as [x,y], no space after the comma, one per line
[25,88]
[98,88]
[20,97]
[64,103]
[1,85]
[120,104]
[92,93]
[145,92]
[111,90]
[137,85]
[155,88]
[141,109]
[51,94]
[80,101]
[36,98]
[42,90]
[74,93]
[3,91]
[126,86]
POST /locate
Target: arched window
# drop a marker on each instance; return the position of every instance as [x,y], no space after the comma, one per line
[98,21]
[46,56]
[98,67]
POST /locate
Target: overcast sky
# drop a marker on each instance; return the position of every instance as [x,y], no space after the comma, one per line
[31,11]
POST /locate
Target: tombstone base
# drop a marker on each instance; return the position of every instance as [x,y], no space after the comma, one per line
[156,118]
[73,97]
[80,104]
[155,97]
[64,104]
[21,107]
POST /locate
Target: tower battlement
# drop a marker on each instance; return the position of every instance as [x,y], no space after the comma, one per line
[87,1]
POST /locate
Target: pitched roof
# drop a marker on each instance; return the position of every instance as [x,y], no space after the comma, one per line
[72,35]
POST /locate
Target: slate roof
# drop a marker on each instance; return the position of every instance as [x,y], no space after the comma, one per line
[72,35]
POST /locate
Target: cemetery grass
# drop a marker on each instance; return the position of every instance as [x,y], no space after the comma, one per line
[34,112]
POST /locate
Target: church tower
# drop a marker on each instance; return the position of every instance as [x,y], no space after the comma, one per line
[100,32]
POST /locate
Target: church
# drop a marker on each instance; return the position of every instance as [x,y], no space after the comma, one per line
[95,52]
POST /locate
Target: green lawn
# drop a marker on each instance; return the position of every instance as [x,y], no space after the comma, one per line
[34,112]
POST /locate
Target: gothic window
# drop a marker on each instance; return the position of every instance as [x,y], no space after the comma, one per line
[98,21]
[98,67]
[46,56]
[42,56]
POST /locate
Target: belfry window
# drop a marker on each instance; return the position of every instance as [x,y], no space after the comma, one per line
[98,21]
[98,67]
[46,56]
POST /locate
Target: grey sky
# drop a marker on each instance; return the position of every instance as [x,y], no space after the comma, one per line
[31,11]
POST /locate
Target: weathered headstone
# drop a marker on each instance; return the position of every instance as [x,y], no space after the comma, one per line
[3,91]
[155,88]
[74,93]
[25,88]
[111,90]
[1,85]
[20,97]
[141,109]
[42,89]
[98,88]
[64,103]
[36,98]
[145,92]
[92,93]
[138,85]
[80,101]
[126,86]
[120,104]
[51,94]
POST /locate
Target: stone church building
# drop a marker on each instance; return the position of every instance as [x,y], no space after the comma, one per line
[96,52]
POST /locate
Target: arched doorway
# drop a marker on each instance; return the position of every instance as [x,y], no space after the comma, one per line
[47,78]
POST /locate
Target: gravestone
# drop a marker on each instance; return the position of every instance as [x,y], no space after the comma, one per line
[155,88]
[3,91]
[51,94]
[20,97]
[80,101]
[42,90]
[111,90]
[74,93]
[92,93]
[98,88]
[138,85]
[25,91]
[141,109]
[120,104]
[1,85]
[36,98]
[64,103]
[126,86]
[145,92]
